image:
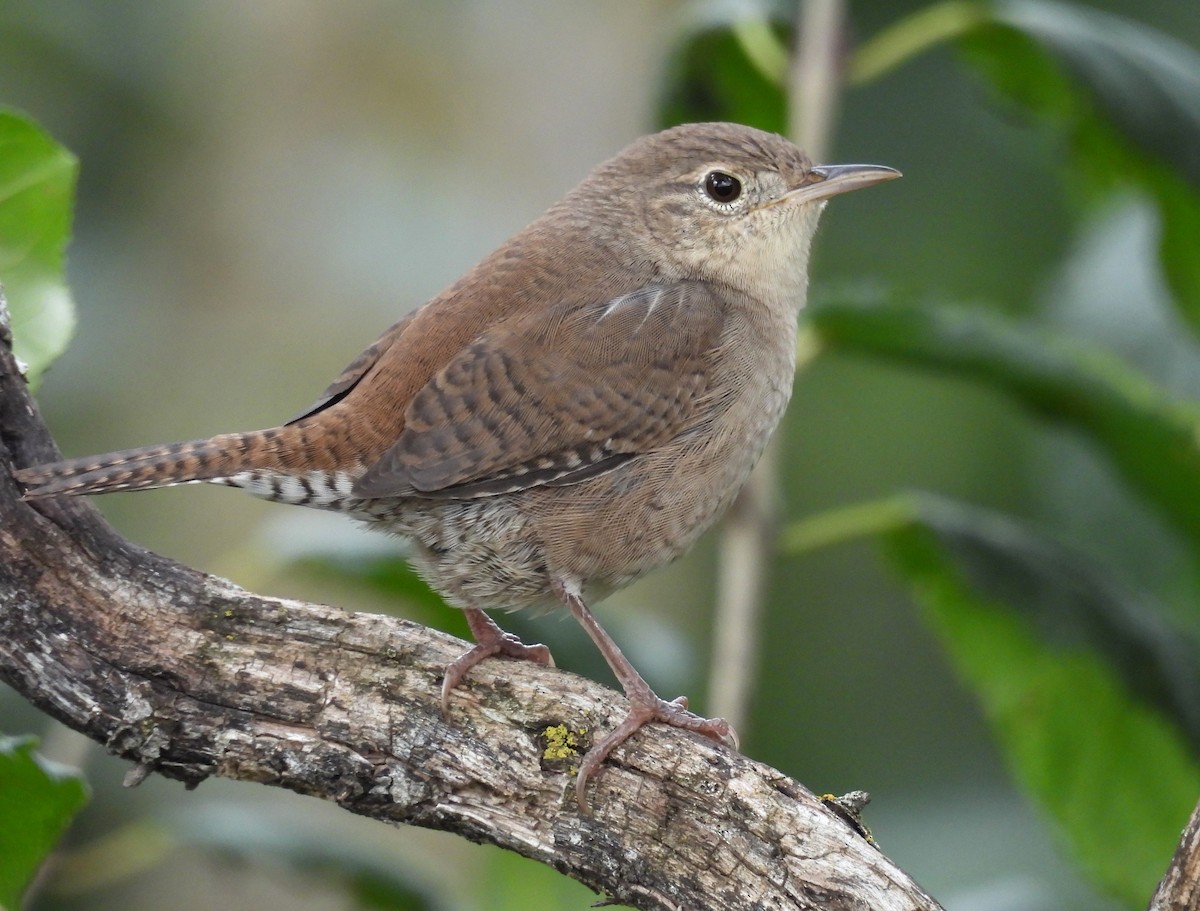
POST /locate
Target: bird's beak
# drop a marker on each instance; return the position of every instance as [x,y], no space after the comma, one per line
[833,179]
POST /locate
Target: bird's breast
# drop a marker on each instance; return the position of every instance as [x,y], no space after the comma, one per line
[642,515]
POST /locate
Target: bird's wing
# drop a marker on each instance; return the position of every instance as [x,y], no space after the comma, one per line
[355,371]
[556,397]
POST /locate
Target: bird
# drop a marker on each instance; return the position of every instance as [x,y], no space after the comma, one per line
[572,413]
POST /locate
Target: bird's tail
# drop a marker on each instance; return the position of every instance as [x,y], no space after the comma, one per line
[150,466]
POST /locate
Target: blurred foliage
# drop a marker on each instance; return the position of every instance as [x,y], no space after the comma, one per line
[244,835]
[392,579]
[1070,667]
[1070,601]
[239,836]
[541,888]
[1128,99]
[1151,437]
[37,183]
[1067,724]
[1117,777]
[713,73]
[39,801]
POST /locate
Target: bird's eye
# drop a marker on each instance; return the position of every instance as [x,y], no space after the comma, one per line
[722,187]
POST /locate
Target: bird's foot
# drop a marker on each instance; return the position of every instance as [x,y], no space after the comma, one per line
[490,641]
[645,707]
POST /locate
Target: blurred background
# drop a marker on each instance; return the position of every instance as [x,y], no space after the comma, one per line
[266,186]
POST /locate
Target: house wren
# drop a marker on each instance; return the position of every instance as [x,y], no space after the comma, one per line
[573,412]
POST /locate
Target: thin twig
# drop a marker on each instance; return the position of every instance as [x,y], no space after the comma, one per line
[748,533]
[817,76]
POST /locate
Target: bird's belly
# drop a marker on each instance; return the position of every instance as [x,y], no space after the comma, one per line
[643,515]
[480,553]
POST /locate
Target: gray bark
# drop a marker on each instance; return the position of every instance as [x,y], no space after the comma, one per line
[1179,889]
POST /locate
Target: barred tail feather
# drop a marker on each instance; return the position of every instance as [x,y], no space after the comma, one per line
[138,469]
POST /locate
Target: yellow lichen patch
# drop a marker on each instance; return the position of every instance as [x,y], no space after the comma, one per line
[561,747]
[560,742]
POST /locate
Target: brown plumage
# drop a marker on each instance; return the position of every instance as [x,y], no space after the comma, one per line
[572,413]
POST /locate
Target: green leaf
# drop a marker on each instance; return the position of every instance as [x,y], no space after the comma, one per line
[37,802]
[1117,778]
[1073,673]
[911,35]
[1069,600]
[728,68]
[1127,98]
[1143,82]
[1151,438]
[37,184]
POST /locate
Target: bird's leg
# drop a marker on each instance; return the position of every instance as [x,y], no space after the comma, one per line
[644,705]
[490,640]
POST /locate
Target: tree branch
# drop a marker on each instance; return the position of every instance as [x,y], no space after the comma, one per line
[749,531]
[1179,889]
[189,676]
